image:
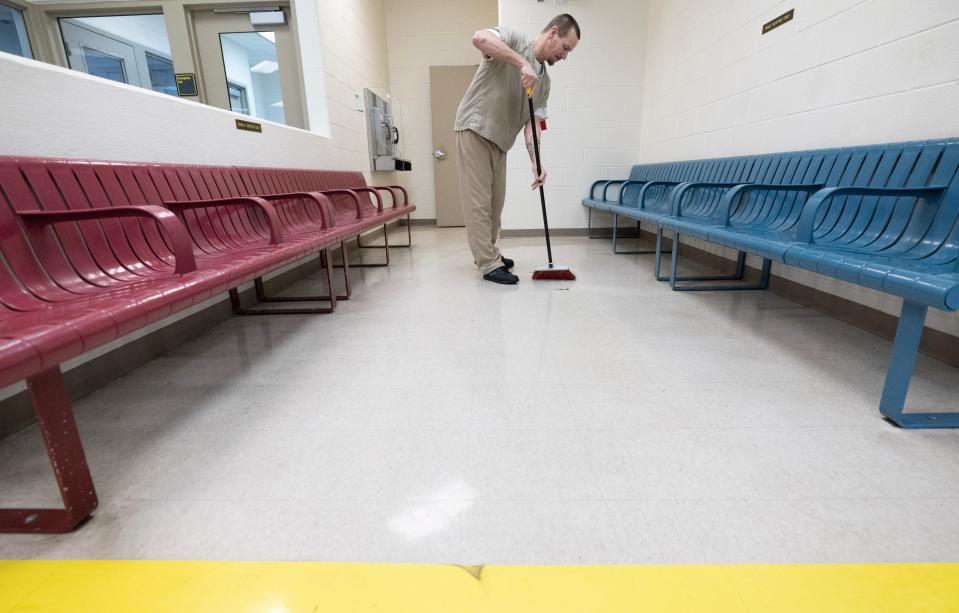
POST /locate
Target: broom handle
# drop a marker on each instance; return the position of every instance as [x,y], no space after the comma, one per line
[539,171]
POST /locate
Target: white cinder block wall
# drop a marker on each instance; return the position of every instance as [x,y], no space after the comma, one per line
[842,72]
[595,107]
[420,34]
[352,40]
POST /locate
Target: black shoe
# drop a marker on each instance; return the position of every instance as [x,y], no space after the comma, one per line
[508,263]
[501,275]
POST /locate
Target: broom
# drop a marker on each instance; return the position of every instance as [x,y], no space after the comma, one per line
[550,272]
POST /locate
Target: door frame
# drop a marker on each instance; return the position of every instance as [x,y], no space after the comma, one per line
[294,110]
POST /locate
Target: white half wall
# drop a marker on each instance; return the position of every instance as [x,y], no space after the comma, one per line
[842,72]
[58,112]
[595,109]
[412,48]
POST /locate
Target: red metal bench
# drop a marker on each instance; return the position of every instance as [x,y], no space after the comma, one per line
[353,200]
[92,251]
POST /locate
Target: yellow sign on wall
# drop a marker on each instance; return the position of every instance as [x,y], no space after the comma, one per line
[249,126]
[778,21]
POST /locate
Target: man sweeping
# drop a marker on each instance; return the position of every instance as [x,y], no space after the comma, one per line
[491,114]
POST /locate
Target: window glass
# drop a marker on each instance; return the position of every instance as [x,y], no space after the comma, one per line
[238,101]
[13,32]
[250,62]
[162,77]
[104,65]
[132,49]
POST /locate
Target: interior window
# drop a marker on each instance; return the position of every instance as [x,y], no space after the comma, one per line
[251,64]
[238,99]
[104,65]
[132,49]
[13,32]
[162,77]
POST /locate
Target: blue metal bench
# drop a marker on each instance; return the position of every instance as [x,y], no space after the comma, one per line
[880,216]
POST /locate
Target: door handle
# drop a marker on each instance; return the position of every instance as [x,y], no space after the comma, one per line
[439,154]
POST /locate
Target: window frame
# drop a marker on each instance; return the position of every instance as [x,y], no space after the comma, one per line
[150,54]
[47,45]
[23,9]
[230,86]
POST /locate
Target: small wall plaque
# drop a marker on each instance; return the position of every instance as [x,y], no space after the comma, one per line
[778,21]
[249,126]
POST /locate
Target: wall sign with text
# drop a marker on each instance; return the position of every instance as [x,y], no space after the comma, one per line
[186,84]
[778,21]
[249,126]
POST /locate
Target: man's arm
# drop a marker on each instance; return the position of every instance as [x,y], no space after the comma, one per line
[492,47]
[539,179]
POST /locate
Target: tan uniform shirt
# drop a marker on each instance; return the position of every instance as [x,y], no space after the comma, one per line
[494,105]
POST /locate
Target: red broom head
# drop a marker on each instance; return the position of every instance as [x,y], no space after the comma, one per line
[553,273]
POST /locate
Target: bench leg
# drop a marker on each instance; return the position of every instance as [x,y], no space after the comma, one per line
[331,297]
[385,246]
[659,254]
[62,439]
[589,223]
[901,364]
[326,256]
[736,276]
[409,238]
[638,232]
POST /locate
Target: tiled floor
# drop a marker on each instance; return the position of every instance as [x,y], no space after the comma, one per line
[439,418]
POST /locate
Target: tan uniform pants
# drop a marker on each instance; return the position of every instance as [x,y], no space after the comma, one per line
[481,166]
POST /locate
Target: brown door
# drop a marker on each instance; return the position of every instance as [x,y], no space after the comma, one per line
[447,86]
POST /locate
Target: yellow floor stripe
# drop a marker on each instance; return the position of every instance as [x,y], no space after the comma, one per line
[294,587]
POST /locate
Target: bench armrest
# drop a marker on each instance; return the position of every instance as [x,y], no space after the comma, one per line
[352,194]
[370,190]
[276,234]
[610,184]
[592,188]
[406,196]
[623,183]
[606,183]
[677,195]
[622,190]
[353,191]
[320,199]
[807,218]
[379,188]
[642,192]
[724,210]
[168,222]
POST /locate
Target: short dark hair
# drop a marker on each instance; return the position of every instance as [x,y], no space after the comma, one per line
[563,23]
